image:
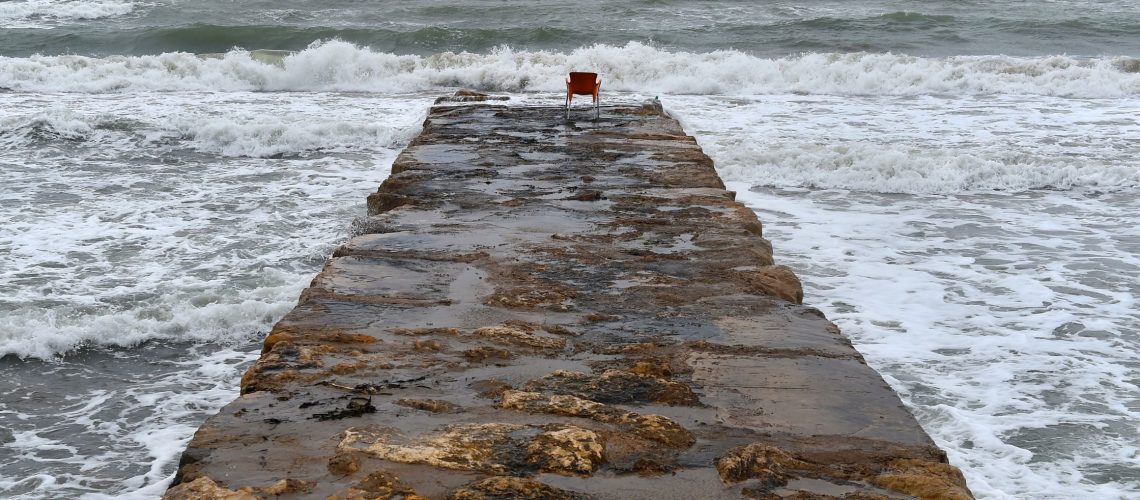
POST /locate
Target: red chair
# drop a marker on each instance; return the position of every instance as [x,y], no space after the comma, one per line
[583,84]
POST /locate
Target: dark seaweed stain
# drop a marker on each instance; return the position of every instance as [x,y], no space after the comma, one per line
[357,406]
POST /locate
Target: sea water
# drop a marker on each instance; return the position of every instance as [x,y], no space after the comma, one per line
[954,181]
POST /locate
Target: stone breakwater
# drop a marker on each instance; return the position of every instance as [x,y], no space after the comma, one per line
[559,310]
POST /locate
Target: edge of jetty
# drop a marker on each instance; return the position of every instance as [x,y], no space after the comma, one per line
[542,308]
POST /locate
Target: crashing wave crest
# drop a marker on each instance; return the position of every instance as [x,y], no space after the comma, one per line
[341,66]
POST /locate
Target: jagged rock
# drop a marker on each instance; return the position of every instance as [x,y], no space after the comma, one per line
[382,484]
[628,453]
[772,467]
[616,387]
[652,427]
[468,95]
[483,353]
[864,495]
[343,464]
[285,362]
[489,448]
[566,451]
[425,331]
[768,464]
[205,488]
[512,488]
[777,281]
[924,479]
[658,370]
[560,330]
[516,336]
[763,494]
[533,297]
[430,405]
[490,389]
[428,345]
[473,447]
[379,203]
[286,486]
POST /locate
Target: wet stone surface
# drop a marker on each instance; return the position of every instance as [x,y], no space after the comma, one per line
[559,310]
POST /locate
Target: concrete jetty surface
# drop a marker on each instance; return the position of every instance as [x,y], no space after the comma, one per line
[547,309]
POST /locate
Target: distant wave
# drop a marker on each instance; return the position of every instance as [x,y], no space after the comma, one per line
[1101,27]
[45,13]
[50,125]
[894,21]
[341,66]
[222,38]
[898,169]
[260,137]
[201,37]
[1083,24]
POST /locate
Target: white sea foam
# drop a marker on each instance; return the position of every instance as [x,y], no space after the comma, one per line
[230,137]
[1007,322]
[336,65]
[198,215]
[255,131]
[48,13]
[125,221]
[52,123]
[1004,314]
[137,430]
[918,144]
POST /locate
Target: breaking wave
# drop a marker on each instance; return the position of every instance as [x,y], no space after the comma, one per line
[244,136]
[341,66]
[924,145]
[46,13]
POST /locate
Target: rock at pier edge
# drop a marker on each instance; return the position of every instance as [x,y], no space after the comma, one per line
[545,309]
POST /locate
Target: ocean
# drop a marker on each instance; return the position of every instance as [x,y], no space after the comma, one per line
[955,181]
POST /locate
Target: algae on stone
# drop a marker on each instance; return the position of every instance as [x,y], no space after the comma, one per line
[567,451]
[516,336]
[652,427]
[496,448]
[512,488]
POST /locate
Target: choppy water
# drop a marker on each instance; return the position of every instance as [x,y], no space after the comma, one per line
[425,27]
[955,182]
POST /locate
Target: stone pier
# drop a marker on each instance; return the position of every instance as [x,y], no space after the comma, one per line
[549,309]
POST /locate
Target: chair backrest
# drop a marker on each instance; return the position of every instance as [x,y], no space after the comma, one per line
[583,83]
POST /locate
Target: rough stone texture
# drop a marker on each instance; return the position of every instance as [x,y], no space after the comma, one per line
[512,488]
[566,451]
[559,310]
[203,488]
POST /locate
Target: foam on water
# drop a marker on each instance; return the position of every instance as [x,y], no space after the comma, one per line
[48,13]
[178,206]
[969,221]
[238,134]
[106,438]
[919,144]
[1006,322]
[149,221]
[1007,319]
[123,223]
[341,66]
